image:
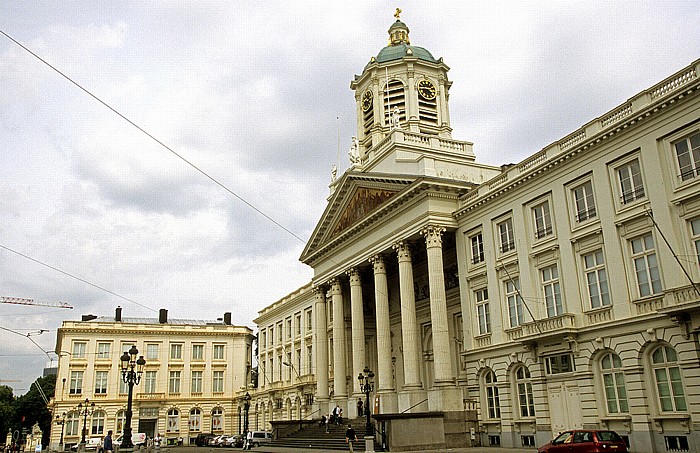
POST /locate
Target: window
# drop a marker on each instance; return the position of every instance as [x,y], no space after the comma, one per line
[123,386]
[524,385]
[298,357]
[584,202]
[289,328]
[195,420]
[297,324]
[481,297]
[217,382]
[217,417]
[552,292]
[515,302]
[646,267]
[197,351]
[493,402]
[272,335]
[279,333]
[556,364]
[688,155]
[596,279]
[174,382]
[176,351]
[196,382]
[309,320]
[528,441]
[288,363]
[614,384]
[218,352]
[79,350]
[103,350]
[173,421]
[264,339]
[272,369]
[100,382]
[668,379]
[121,420]
[505,232]
[542,219]
[76,382]
[309,359]
[98,423]
[152,351]
[149,382]
[695,228]
[631,185]
[72,424]
[677,443]
[477,243]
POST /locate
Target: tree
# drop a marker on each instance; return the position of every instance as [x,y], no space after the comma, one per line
[34,409]
[7,410]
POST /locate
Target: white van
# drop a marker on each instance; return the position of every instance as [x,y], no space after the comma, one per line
[261,437]
[137,439]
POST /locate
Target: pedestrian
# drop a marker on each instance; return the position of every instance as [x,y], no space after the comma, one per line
[249,440]
[340,417]
[322,422]
[360,410]
[156,441]
[107,446]
[328,423]
[350,437]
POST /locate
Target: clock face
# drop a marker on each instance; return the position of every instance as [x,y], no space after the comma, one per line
[427,90]
[366,100]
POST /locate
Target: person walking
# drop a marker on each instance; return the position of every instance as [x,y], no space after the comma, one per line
[107,446]
[350,437]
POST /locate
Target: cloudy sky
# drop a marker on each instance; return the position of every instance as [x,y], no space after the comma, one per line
[255,94]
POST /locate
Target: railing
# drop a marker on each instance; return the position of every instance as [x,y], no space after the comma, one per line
[150,396]
[549,325]
[417,404]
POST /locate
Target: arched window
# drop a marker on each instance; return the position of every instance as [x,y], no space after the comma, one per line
[72,424]
[669,385]
[121,419]
[524,385]
[98,422]
[217,419]
[493,402]
[195,420]
[614,383]
[173,422]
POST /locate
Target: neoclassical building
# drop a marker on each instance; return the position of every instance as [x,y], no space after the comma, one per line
[194,369]
[501,305]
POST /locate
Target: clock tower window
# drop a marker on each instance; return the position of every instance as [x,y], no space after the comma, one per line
[394,96]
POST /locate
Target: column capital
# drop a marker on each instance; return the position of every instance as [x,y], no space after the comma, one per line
[319,290]
[403,250]
[433,235]
[377,262]
[334,284]
[354,274]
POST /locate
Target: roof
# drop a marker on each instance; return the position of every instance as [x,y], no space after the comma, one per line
[398,51]
[180,322]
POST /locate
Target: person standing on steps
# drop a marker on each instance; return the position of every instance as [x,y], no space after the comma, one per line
[350,437]
[360,407]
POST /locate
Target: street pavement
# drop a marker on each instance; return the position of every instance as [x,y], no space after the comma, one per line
[358,448]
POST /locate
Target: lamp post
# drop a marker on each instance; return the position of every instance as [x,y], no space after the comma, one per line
[86,410]
[61,420]
[366,379]
[132,370]
[246,409]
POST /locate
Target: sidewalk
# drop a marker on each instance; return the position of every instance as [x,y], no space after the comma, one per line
[273,449]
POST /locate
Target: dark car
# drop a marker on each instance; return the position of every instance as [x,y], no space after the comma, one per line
[202,439]
[585,441]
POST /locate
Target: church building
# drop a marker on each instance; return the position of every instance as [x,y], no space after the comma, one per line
[499,305]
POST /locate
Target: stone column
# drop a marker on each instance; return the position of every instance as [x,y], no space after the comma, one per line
[340,387]
[358,329]
[445,395]
[321,347]
[409,324]
[385,381]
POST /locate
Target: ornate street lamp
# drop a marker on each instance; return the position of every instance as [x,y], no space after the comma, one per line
[61,420]
[86,410]
[132,369]
[246,410]
[367,387]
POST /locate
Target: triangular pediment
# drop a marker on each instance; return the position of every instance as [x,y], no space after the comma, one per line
[356,196]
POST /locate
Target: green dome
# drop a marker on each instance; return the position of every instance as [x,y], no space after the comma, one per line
[398,51]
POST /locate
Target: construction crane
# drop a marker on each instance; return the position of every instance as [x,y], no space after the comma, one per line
[21,301]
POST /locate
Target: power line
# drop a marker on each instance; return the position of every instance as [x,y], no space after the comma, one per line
[29,338]
[152,137]
[76,277]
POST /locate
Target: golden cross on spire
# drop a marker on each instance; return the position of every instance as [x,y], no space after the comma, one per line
[397,13]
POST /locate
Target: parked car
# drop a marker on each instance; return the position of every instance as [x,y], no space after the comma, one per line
[138,439]
[234,441]
[91,444]
[585,441]
[261,437]
[202,439]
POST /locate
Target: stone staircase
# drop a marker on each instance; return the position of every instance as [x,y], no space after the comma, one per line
[314,437]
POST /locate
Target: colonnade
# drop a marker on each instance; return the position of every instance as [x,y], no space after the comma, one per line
[443,394]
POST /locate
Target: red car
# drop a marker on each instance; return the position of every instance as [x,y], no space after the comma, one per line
[585,441]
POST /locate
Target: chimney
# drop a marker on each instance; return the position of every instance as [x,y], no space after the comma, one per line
[88,317]
[118,314]
[227,318]
[163,316]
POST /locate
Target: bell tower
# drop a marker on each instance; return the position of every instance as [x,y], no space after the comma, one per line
[403,87]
